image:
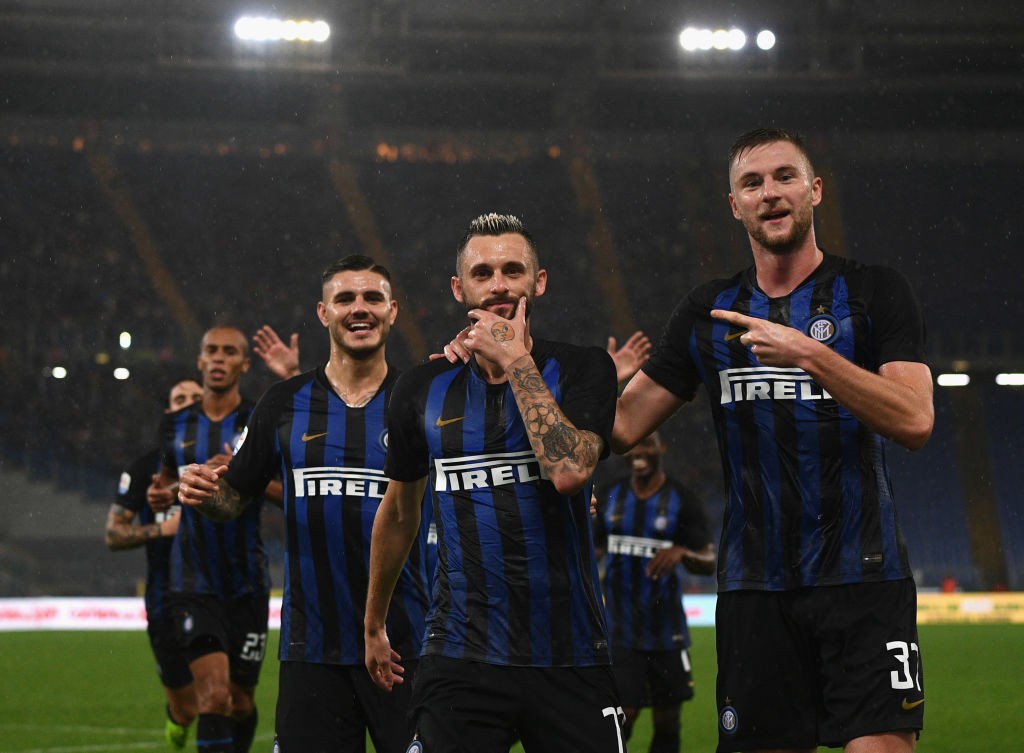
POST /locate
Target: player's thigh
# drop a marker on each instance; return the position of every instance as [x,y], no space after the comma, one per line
[171,662]
[462,706]
[200,625]
[870,659]
[629,668]
[317,709]
[669,677]
[387,713]
[767,690]
[247,620]
[570,709]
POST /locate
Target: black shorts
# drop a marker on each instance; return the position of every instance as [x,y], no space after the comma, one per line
[652,678]
[171,662]
[461,706]
[238,627]
[817,666]
[323,708]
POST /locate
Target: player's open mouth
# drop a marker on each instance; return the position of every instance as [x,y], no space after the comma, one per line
[218,373]
[769,216]
[360,327]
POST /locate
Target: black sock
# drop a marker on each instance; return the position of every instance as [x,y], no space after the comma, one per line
[244,730]
[213,734]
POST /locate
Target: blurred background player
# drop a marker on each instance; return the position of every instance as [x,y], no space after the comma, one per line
[325,431]
[132,523]
[649,524]
[220,584]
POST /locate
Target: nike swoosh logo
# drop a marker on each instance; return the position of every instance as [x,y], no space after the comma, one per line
[908,705]
[444,422]
[310,437]
[733,335]
[183,445]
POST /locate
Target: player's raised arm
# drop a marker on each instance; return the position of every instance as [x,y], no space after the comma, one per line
[568,455]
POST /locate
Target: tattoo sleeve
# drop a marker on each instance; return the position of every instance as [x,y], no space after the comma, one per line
[121,533]
[226,503]
[559,445]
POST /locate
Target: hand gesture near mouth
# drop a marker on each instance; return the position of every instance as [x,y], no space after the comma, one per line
[496,338]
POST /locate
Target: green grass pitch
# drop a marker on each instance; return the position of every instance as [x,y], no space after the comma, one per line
[89,692]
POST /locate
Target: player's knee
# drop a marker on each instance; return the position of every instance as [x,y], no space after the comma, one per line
[216,700]
[183,705]
[243,702]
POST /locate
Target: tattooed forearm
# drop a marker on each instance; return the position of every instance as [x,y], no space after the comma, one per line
[226,503]
[564,442]
[567,455]
[560,440]
[129,536]
[528,378]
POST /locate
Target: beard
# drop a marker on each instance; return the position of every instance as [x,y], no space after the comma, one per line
[782,245]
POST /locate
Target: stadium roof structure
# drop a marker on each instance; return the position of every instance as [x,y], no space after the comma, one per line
[547,62]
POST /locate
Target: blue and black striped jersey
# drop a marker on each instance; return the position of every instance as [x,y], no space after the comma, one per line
[226,560]
[517,580]
[331,459]
[646,614]
[808,497]
[131,495]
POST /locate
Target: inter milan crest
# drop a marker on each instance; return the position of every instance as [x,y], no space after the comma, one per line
[824,328]
[728,720]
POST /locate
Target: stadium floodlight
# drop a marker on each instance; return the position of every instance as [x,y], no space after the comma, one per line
[694,39]
[1010,379]
[269,29]
[58,372]
[121,373]
[765,39]
[953,380]
[125,340]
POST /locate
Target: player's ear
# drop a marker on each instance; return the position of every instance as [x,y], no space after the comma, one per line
[816,191]
[541,283]
[732,205]
[321,313]
[457,288]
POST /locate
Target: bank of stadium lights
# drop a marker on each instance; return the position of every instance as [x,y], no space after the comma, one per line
[694,39]
[962,379]
[953,380]
[267,29]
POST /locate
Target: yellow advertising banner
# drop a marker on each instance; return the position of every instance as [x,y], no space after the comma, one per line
[970,607]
